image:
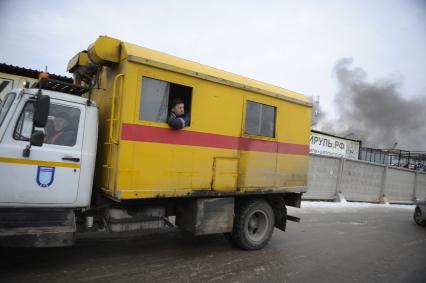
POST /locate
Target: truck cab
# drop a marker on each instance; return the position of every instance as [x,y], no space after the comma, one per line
[45,167]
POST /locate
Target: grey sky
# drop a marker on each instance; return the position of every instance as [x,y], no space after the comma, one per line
[292,44]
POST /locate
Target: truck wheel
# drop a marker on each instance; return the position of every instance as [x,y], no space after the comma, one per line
[418,218]
[253,224]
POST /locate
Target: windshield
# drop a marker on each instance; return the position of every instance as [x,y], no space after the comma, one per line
[5,105]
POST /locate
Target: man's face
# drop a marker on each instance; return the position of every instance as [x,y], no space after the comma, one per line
[178,109]
[59,123]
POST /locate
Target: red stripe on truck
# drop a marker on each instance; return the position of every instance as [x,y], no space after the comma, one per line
[142,133]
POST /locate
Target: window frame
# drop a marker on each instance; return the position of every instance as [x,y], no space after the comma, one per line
[19,118]
[245,134]
[46,144]
[168,78]
[7,111]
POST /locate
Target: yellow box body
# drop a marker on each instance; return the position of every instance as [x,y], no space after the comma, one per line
[213,156]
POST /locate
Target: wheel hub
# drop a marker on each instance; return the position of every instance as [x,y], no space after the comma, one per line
[257,225]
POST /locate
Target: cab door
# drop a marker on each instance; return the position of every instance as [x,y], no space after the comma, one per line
[50,175]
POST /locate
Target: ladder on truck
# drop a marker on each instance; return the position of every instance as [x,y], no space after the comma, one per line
[113,132]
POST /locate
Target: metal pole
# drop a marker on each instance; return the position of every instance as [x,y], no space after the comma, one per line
[399,158]
[408,161]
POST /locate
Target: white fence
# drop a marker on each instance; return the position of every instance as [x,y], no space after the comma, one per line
[362,181]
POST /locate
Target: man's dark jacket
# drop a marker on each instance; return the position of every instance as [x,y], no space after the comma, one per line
[178,122]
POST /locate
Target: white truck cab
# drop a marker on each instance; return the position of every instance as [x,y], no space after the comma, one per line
[57,173]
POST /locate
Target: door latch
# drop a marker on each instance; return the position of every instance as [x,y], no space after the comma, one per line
[69,158]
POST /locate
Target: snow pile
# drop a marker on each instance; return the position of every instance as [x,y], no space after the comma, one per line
[343,205]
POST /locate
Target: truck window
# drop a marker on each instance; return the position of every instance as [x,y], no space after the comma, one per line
[260,119]
[156,97]
[5,106]
[61,127]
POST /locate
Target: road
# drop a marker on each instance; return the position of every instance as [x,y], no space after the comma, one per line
[333,243]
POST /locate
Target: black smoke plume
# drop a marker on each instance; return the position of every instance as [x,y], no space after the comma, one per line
[376,113]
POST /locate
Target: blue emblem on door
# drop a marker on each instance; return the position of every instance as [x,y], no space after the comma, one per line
[45,176]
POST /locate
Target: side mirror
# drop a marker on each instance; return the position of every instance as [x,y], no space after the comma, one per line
[37,138]
[41,111]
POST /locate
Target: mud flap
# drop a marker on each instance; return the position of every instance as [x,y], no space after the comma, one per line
[280,211]
[281,218]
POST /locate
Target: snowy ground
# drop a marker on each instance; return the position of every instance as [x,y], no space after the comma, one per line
[344,205]
[324,207]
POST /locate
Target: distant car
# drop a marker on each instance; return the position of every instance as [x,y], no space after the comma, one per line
[420,212]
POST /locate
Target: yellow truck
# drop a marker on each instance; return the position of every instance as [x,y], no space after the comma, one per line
[100,154]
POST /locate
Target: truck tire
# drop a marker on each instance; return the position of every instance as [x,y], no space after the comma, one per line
[253,224]
[418,218]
